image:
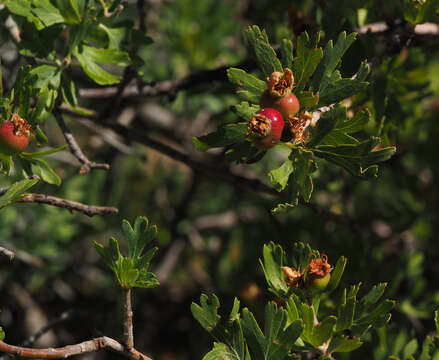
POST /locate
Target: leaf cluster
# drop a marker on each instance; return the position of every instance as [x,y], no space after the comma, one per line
[320,88]
[293,327]
[132,270]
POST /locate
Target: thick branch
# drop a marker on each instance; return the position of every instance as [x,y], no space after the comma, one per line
[87,165]
[71,350]
[89,210]
[128,337]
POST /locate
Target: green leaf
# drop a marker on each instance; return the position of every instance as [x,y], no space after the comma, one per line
[265,55]
[272,262]
[220,351]
[244,110]
[286,49]
[244,152]
[301,182]
[146,280]
[115,36]
[69,91]
[127,273]
[48,76]
[207,313]
[6,164]
[307,98]
[340,343]
[90,56]
[358,159]
[42,168]
[322,332]
[340,89]
[374,294]
[251,87]
[223,136]
[380,311]
[253,335]
[279,177]
[325,125]
[307,313]
[307,58]
[346,312]
[410,349]
[16,191]
[69,11]
[2,334]
[336,274]
[331,59]
[40,12]
[344,127]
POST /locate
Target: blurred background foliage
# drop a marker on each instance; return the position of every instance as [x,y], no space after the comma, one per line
[210,232]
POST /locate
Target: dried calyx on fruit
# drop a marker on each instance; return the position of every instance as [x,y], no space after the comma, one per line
[293,277]
[296,126]
[265,128]
[279,96]
[317,274]
[14,135]
[314,278]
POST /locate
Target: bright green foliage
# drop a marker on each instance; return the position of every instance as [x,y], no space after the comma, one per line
[240,336]
[2,334]
[16,191]
[131,271]
[318,84]
[352,314]
[295,327]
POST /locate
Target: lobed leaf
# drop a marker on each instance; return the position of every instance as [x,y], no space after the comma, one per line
[16,191]
[251,87]
[207,313]
[265,55]
[307,59]
[226,135]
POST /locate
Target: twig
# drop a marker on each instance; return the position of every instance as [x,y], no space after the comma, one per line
[93,345]
[60,319]
[167,87]
[89,210]
[87,165]
[128,337]
[8,253]
[430,29]
[23,256]
[142,15]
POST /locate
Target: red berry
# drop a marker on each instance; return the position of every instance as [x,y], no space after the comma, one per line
[287,105]
[14,135]
[265,128]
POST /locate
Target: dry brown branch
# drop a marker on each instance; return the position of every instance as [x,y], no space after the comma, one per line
[23,256]
[93,345]
[87,165]
[128,337]
[89,210]
[8,253]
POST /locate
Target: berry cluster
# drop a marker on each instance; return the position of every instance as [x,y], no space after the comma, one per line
[277,120]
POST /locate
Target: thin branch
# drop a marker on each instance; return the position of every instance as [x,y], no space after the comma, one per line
[8,253]
[93,345]
[128,337]
[87,165]
[89,210]
[23,256]
[60,319]
[168,87]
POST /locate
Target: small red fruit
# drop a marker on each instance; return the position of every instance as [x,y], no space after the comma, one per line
[265,128]
[14,135]
[287,105]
